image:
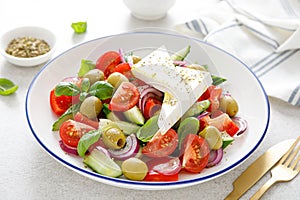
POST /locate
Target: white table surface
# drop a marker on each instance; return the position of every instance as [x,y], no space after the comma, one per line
[28,172]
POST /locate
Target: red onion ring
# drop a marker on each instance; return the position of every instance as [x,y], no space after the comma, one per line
[68,149]
[130,150]
[215,157]
[241,123]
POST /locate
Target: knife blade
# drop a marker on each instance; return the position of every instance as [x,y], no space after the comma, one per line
[258,168]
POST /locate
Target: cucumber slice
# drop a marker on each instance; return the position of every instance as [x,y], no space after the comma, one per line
[112,116]
[127,128]
[102,164]
[134,115]
[56,125]
[181,54]
[227,139]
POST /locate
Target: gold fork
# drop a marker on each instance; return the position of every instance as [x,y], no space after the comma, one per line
[286,169]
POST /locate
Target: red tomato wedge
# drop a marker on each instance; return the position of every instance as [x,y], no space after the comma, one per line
[122,68]
[108,61]
[151,107]
[224,123]
[85,120]
[161,145]
[60,104]
[196,153]
[213,94]
[125,97]
[71,131]
[155,176]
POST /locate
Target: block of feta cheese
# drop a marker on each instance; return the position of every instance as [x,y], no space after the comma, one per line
[181,86]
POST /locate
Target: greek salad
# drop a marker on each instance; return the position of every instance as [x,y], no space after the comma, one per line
[145,118]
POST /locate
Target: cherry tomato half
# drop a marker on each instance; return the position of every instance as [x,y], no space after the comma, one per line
[71,131]
[196,153]
[161,145]
[108,61]
[125,97]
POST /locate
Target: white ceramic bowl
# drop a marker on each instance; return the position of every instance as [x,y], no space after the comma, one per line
[149,9]
[242,84]
[32,31]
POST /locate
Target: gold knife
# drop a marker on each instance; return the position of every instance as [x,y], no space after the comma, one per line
[258,168]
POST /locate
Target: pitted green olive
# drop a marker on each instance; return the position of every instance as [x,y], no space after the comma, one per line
[116,78]
[91,107]
[213,137]
[229,105]
[94,75]
[114,138]
[134,169]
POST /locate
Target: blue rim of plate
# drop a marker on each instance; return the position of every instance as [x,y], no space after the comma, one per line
[177,184]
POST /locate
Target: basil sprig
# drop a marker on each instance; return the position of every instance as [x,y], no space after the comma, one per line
[87,140]
[100,89]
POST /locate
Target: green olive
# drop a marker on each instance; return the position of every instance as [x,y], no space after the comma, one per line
[229,105]
[114,138]
[134,169]
[116,78]
[213,137]
[136,59]
[94,75]
[91,107]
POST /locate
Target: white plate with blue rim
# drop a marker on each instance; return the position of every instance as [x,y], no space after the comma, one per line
[241,83]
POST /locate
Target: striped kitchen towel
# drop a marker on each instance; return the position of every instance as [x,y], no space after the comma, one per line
[265,35]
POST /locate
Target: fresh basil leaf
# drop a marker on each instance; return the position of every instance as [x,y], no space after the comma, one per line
[102,90]
[7,87]
[87,140]
[83,95]
[85,85]
[86,65]
[79,27]
[67,89]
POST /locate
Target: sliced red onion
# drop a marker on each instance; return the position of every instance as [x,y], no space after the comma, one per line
[215,157]
[67,148]
[241,123]
[121,53]
[146,92]
[103,150]
[170,167]
[130,150]
[180,63]
[202,115]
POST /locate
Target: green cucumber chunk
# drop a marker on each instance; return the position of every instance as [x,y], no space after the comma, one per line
[227,139]
[127,128]
[134,115]
[181,54]
[102,164]
[189,125]
[196,109]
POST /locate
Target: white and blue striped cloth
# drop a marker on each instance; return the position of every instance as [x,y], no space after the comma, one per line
[263,34]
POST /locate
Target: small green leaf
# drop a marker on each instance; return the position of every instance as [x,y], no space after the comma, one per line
[7,87]
[79,27]
[67,89]
[82,96]
[102,90]
[86,65]
[87,140]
